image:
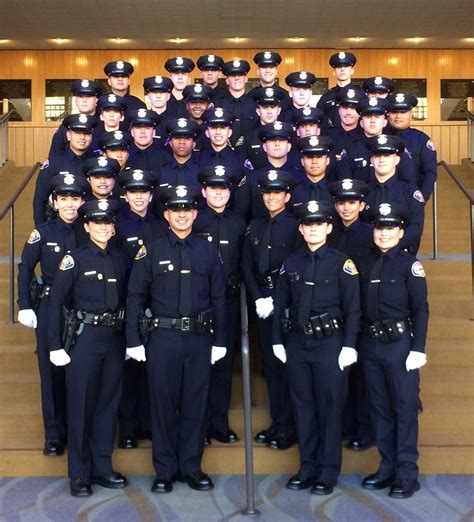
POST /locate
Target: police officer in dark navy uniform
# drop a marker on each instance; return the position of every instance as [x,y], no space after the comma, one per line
[116,145]
[158,91]
[79,133]
[101,173]
[179,69]
[47,245]
[111,111]
[391,350]
[418,144]
[269,241]
[198,100]
[226,229]
[86,94]
[91,282]
[319,287]
[119,73]
[300,83]
[378,86]
[180,277]
[210,66]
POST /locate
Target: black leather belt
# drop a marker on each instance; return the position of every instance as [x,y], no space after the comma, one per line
[185,324]
[44,291]
[105,319]
[325,329]
[387,330]
[268,281]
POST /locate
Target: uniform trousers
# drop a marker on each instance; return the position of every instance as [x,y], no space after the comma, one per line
[94,384]
[317,387]
[178,366]
[357,421]
[393,393]
[52,379]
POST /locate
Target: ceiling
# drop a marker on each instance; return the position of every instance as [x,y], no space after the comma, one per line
[214,24]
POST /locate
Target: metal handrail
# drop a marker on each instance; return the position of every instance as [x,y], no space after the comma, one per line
[470,134]
[250,509]
[5,117]
[10,207]
[4,137]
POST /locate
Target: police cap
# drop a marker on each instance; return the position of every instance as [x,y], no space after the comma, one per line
[308,115]
[100,210]
[387,215]
[218,117]
[135,179]
[275,180]
[314,211]
[236,68]
[111,101]
[218,176]
[119,68]
[300,79]
[342,59]
[315,145]
[353,189]
[267,59]
[143,118]
[386,144]
[101,166]
[180,197]
[179,64]
[378,84]
[402,102]
[66,183]
[182,128]
[275,130]
[269,96]
[80,123]
[197,92]
[210,62]
[350,96]
[86,88]
[115,140]
[367,106]
[157,83]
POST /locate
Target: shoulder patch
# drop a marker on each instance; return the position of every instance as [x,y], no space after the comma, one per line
[430,145]
[35,236]
[248,164]
[417,269]
[242,182]
[349,267]
[67,262]
[418,196]
[45,165]
[141,253]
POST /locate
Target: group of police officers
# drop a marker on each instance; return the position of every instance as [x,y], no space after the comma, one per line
[148,220]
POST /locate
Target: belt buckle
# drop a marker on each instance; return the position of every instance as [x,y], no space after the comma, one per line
[308,329]
[185,324]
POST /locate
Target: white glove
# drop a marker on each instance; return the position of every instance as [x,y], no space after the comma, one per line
[218,353]
[347,356]
[269,306]
[279,352]
[137,353]
[415,360]
[27,318]
[264,307]
[59,357]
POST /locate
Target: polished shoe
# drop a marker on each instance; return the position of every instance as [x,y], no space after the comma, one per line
[360,444]
[112,480]
[226,436]
[264,436]
[375,481]
[127,442]
[198,481]
[207,440]
[53,448]
[282,441]
[403,488]
[297,482]
[162,484]
[80,488]
[322,487]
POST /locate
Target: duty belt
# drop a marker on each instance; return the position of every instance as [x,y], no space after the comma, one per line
[318,326]
[387,330]
[44,291]
[185,324]
[106,319]
[267,281]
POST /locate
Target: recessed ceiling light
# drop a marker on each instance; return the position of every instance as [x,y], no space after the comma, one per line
[393,60]
[177,40]
[119,40]
[295,39]
[415,39]
[60,41]
[237,39]
[465,39]
[4,40]
[357,38]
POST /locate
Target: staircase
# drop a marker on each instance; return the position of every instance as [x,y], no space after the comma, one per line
[446,441]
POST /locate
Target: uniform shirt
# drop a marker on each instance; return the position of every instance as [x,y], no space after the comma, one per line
[151,158]
[246,119]
[81,282]
[342,140]
[285,239]
[219,94]
[62,162]
[156,277]
[176,108]
[252,154]
[46,245]
[308,190]
[409,197]
[336,291]
[133,103]
[402,292]
[355,241]
[206,225]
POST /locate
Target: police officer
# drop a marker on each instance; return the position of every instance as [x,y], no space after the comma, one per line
[226,229]
[92,281]
[116,145]
[86,93]
[158,91]
[111,109]
[300,83]
[268,242]
[179,69]
[320,287]
[47,245]
[418,144]
[119,73]
[79,133]
[391,350]
[101,173]
[210,66]
[378,86]
[198,100]
[180,275]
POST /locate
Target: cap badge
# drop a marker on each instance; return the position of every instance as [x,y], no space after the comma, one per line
[85,83]
[347,184]
[312,206]
[267,55]
[118,135]
[211,58]
[120,64]
[141,113]
[303,75]
[373,102]
[102,161]
[158,79]
[197,87]
[350,93]
[400,97]
[179,60]
[378,80]
[219,170]
[181,191]
[218,113]
[382,139]
[182,123]
[112,98]
[313,141]
[273,175]
[342,56]
[307,111]
[103,204]
[83,118]
[385,209]
[269,93]
[236,63]
[68,179]
[278,125]
[137,175]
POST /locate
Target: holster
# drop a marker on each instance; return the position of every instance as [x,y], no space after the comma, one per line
[204,321]
[35,286]
[144,325]
[71,326]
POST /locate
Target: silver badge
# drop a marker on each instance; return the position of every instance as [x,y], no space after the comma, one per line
[269,92]
[68,179]
[170,267]
[312,206]
[236,63]
[267,55]
[278,125]
[112,98]
[103,204]
[347,184]
[179,60]
[373,102]
[211,58]
[102,161]
[181,191]
[141,113]
[350,93]
[197,87]
[219,113]
[313,141]
[219,170]
[400,97]
[382,139]
[303,75]
[378,80]
[83,118]
[182,123]
[307,111]
[342,56]
[120,64]
[158,79]
[137,175]
[85,83]
[118,135]
[273,175]
[385,209]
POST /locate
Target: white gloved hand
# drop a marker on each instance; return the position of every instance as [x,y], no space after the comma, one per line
[217,353]
[59,357]
[279,352]
[27,318]
[347,356]
[137,353]
[415,360]
[260,307]
[269,306]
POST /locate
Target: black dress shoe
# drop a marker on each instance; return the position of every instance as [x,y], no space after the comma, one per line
[360,444]
[207,440]
[404,488]
[162,484]
[282,441]
[322,487]
[297,482]
[112,480]
[375,481]
[53,448]
[198,481]
[264,436]
[127,442]
[80,488]
[226,436]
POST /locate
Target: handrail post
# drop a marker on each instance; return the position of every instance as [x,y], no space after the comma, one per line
[250,510]
[12,264]
[471,208]
[435,221]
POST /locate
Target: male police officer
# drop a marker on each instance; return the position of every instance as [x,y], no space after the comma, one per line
[378,86]
[210,66]
[300,84]
[119,73]
[179,69]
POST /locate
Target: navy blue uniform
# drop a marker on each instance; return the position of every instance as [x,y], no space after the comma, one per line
[132,102]
[342,139]
[94,375]
[310,191]
[284,240]
[246,119]
[178,362]
[328,103]
[393,391]
[151,158]
[176,108]
[356,240]
[316,381]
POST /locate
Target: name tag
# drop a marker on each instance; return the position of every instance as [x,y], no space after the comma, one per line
[111,280]
[90,273]
[164,262]
[132,238]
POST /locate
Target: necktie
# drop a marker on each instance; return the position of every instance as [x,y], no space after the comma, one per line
[264,259]
[304,309]
[185,298]
[373,290]
[147,231]
[111,293]
[70,240]
[181,175]
[223,239]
